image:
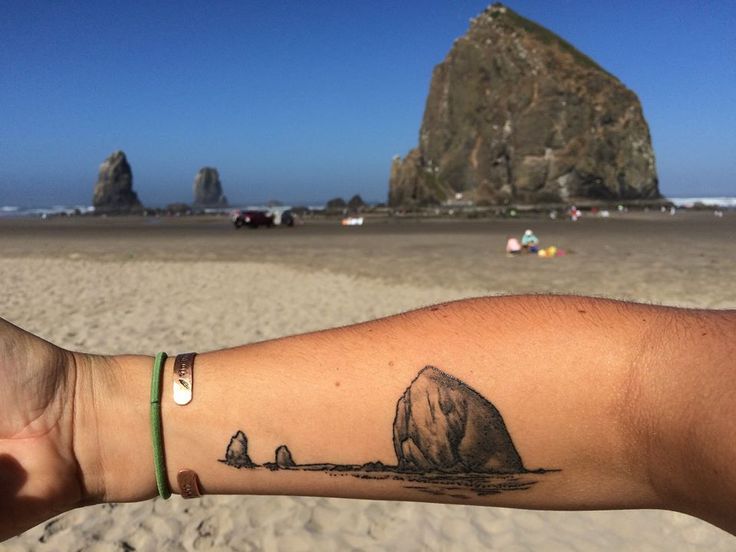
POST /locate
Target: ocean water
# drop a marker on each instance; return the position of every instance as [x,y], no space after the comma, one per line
[727,202]
[43,212]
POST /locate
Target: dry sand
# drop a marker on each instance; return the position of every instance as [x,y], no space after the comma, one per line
[109,286]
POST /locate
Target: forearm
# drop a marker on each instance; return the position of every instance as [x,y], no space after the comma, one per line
[577,385]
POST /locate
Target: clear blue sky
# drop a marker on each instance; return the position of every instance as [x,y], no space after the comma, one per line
[303,101]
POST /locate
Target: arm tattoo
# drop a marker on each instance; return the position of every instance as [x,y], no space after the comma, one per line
[448,440]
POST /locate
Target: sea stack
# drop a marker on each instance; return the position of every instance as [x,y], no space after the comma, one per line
[114,189]
[208,189]
[517,114]
[442,425]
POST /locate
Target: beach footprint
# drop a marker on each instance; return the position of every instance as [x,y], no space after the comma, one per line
[207,533]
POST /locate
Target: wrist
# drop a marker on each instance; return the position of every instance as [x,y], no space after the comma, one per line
[112,441]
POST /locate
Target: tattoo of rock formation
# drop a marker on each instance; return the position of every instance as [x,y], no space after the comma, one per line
[443,425]
[448,440]
[237,452]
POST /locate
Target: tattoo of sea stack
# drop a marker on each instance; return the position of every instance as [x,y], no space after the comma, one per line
[448,439]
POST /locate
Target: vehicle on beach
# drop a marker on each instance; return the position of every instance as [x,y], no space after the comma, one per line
[282,217]
[251,219]
[352,221]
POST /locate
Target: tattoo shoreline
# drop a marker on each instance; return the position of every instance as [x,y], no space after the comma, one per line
[448,439]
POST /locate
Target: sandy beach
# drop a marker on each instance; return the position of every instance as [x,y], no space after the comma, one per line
[108,286]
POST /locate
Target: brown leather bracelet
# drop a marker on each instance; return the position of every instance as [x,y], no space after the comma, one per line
[183,390]
[188,483]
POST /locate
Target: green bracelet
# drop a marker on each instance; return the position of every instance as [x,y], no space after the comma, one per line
[159,459]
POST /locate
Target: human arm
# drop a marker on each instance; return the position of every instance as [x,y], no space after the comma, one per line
[629,402]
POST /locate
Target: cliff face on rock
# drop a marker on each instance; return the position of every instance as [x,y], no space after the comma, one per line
[208,189]
[114,189]
[515,113]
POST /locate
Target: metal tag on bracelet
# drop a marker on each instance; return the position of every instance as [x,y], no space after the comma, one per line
[188,483]
[183,378]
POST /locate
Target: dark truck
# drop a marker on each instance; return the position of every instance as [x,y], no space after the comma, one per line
[254,218]
[251,219]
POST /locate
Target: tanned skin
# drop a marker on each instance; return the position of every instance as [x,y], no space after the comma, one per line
[593,404]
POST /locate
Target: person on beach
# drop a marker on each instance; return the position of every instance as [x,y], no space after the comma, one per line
[529,241]
[513,247]
[459,409]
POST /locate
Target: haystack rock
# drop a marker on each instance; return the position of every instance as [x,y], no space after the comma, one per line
[283,458]
[208,189]
[236,454]
[114,189]
[517,114]
[443,425]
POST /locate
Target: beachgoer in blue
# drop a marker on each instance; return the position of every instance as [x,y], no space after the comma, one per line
[529,241]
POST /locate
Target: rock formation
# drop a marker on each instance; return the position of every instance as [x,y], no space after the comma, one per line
[178,209]
[283,458]
[443,425]
[356,203]
[114,189]
[376,466]
[517,114]
[335,204]
[208,189]
[236,454]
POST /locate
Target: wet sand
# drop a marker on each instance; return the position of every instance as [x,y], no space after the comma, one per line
[93,284]
[651,257]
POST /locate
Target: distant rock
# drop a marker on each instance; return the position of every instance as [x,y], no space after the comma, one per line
[113,191]
[336,204]
[443,425]
[208,189]
[283,458]
[178,208]
[236,454]
[356,203]
[517,114]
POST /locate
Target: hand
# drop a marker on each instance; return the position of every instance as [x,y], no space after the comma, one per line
[39,473]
